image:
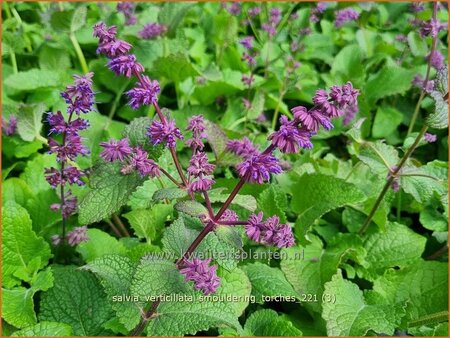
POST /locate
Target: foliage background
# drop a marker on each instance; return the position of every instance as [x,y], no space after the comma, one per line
[380,281]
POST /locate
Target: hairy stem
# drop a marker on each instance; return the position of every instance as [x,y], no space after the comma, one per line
[170,177]
[230,198]
[208,204]
[391,179]
[427,77]
[79,53]
[119,222]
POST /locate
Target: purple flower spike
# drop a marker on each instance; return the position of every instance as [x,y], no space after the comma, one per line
[114,48]
[77,236]
[125,65]
[80,96]
[345,15]
[247,42]
[197,125]
[229,216]
[144,165]
[254,226]
[289,138]
[201,184]
[431,28]
[198,165]
[127,9]
[72,175]
[152,30]
[254,11]
[244,147]
[204,276]
[71,149]
[70,205]
[417,7]
[430,137]
[9,127]
[269,232]
[115,150]
[235,8]
[283,237]
[313,119]
[56,240]
[145,93]
[418,81]
[168,133]
[104,33]
[257,168]
[53,176]
[436,59]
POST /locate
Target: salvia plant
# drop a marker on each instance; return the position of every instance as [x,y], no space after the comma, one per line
[232,169]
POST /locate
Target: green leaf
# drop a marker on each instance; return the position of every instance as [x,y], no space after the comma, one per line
[422,285]
[223,251]
[109,190]
[320,194]
[192,208]
[350,315]
[99,244]
[216,138]
[257,106]
[177,318]
[16,190]
[177,238]
[45,329]
[77,299]
[273,201]
[268,281]
[390,80]
[347,64]
[142,197]
[52,58]
[20,245]
[439,118]
[268,323]
[417,44]
[379,157]
[149,223]
[33,79]
[396,247]
[441,81]
[244,201]
[29,121]
[175,67]
[116,274]
[386,122]
[172,14]
[169,193]
[69,21]
[33,173]
[307,268]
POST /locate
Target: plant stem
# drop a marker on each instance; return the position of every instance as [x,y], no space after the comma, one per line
[230,198]
[116,102]
[14,61]
[208,204]
[79,53]
[121,225]
[113,227]
[232,223]
[170,177]
[391,179]
[427,77]
[438,253]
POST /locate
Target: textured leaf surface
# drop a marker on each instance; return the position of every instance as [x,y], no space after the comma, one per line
[34,79]
[29,121]
[267,323]
[439,118]
[273,201]
[169,193]
[177,238]
[192,208]
[350,315]
[109,190]
[99,243]
[149,223]
[379,157]
[45,329]
[76,299]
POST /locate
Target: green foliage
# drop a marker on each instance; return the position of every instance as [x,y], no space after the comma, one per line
[269,323]
[45,329]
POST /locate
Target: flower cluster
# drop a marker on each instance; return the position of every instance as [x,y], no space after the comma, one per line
[436,59]
[431,28]
[197,126]
[9,127]
[317,11]
[127,8]
[204,276]
[152,30]
[164,132]
[200,168]
[345,15]
[269,232]
[74,237]
[80,98]
[417,7]
[419,82]
[132,158]
[274,19]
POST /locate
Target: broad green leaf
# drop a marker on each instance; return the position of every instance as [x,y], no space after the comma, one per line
[319,195]
[69,21]
[417,44]
[142,197]
[45,329]
[379,157]
[53,58]
[268,281]
[169,193]
[76,299]
[309,267]
[386,122]
[367,41]
[99,244]
[177,238]
[216,138]
[267,323]
[273,201]
[439,118]
[200,313]
[20,245]
[33,173]
[350,315]
[175,67]
[192,208]
[29,121]
[16,190]
[109,190]
[136,132]
[172,14]
[116,274]
[433,219]
[149,223]
[441,81]
[390,80]
[247,202]
[34,79]
[398,246]
[257,105]
[422,285]
[347,64]
[223,251]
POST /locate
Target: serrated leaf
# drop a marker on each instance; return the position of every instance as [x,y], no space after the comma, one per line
[244,201]
[390,80]
[116,274]
[34,79]
[29,121]
[223,252]
[69,21]
[177,238]
[109,190]
[350,315]
[77,299]
[257,106]
[169,193]
[417,44]
[192,208]
[268,281]
[319,195]
[175,67]
[379,157]
[273,201]
[396,247]
[439,118]
[33,173]
[177,318]
[267,323]
[99,244]
[45,329]
[386,122]
[53,58]
[216,138]
[142,197]
[20,245]
[441,81]
[149,223]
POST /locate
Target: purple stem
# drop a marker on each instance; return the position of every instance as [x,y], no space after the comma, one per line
[232,223]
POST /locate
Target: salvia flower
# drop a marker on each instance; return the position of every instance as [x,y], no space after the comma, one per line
[104,33]
[202,274]
[430,137]
[164,133]
[144,165]
[70,205]
[254,11]
[201,184]
[152,30]
[235,8]
[196,124]
[244,147]
[257,168]
[115,150]
[199,165]
[436,59]
[289,138]
[145,93]
[9,127]
[270,231]
[431,28]
[317,11]
[80,96]
[248,79]
[247,42]
[417,6]
[77,236]
[345,15]
[127,8]
[125,65]
[275,15]
[419,82]
[113,48]
[229,216]
[312,119]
